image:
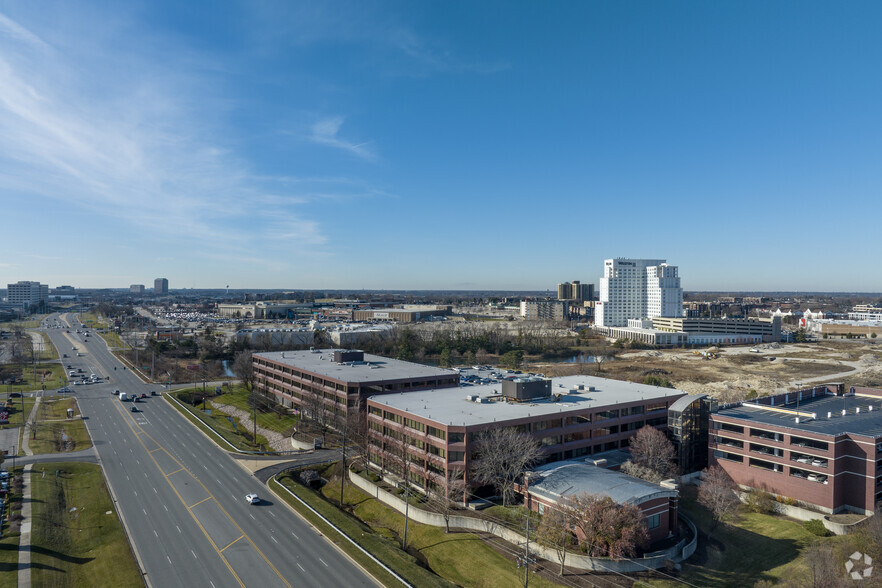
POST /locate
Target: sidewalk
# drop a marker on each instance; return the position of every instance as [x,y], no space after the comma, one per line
[24,544]
[26,435]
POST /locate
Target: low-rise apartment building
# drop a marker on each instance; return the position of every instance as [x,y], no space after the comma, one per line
[571,417]
[821,446]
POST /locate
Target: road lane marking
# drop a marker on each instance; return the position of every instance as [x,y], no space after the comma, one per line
[165,507]
[274,539]
[155,533]
[170,563]
[272,514]
[200,502]
[233,541]
[323,561]
[301,568]
[132,424]
[179,529]
[295,535]
[194,554]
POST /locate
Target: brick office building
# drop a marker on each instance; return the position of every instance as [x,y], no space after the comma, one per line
[551,484]
[821,446]
[340,377]
[571,417]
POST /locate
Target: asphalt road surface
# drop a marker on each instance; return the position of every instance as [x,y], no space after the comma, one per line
[182,499]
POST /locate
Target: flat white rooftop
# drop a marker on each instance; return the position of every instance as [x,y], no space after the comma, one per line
[449,406]
[374,368]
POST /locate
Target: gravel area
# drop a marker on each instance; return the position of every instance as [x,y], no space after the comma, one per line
[276,440]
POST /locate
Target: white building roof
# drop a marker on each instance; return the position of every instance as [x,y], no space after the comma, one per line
[449,406]
[374,367]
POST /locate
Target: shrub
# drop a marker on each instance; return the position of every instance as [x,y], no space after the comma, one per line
[761,501]
[816,527]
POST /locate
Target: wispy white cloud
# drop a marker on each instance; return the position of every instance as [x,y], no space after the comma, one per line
[388,40]
[10,28]
[135,140]
[326,132]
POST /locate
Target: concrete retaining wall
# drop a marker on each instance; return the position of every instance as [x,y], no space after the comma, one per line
[679,552]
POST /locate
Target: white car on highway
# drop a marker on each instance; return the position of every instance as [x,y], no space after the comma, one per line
[252,498]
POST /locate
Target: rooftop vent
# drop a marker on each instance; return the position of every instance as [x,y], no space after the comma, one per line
[344,356]
[526,388]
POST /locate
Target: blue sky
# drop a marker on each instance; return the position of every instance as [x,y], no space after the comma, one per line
[439,145]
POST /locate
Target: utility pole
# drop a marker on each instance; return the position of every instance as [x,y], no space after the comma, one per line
[343,469]
[527,559]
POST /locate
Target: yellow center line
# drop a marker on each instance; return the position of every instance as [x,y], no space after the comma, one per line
[200,502]
[130,422]
[171,473]
[181,498]
[223,510]
[233,541]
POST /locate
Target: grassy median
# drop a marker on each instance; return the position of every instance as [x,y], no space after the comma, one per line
[77,538]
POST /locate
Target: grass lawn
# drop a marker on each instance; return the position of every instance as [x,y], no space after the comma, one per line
[112,339]
[239,436]
[60,436]
[31,323]
[86,547]
[751,548]
[461,558]
[55,407]
[17,415]
[10,535]
[91,319]
[48,374]
[403,564]
[267,419]
[49,352]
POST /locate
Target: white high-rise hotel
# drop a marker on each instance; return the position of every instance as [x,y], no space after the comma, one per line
[637,289]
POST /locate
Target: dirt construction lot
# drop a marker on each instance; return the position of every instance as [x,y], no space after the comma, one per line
[766,368]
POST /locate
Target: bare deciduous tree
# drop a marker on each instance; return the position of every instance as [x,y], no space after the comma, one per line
[504,455]
[717,493]
[244,369]
[450,495]
[652,456]
[608,529]
[555,530]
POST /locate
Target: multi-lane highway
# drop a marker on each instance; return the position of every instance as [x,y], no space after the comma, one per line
[182,499]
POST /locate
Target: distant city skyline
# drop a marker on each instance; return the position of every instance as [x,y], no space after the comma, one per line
[437,145]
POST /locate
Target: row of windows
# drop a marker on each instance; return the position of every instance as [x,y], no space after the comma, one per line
[774,436]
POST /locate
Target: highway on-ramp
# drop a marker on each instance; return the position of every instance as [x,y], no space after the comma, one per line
[182,499]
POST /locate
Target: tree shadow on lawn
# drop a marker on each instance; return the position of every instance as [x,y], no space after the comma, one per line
[737,557]
[59,555]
